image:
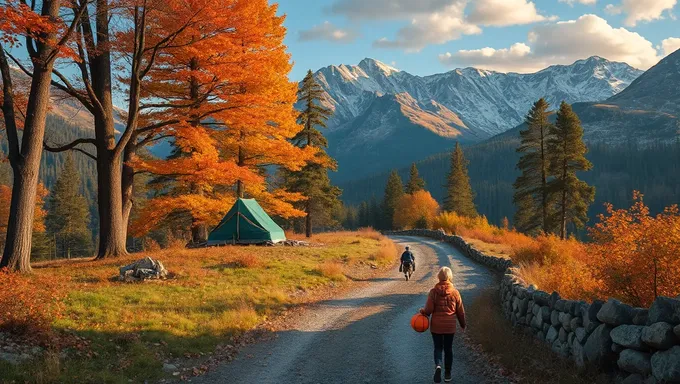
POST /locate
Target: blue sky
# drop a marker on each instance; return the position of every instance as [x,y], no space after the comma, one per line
[430,36]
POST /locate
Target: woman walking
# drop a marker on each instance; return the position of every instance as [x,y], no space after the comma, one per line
[445,306]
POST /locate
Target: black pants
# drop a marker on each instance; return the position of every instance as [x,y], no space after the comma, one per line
[443,343]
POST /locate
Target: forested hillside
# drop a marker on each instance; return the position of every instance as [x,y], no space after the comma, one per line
[654,170]
[59,131]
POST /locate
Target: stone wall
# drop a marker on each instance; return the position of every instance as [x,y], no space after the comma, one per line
[640,345]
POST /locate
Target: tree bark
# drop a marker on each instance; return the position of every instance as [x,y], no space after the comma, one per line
[24,158]
[110,201]
[127,184]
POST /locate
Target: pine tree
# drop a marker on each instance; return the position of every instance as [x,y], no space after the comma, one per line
[459,195]
[533,165]
[567,157]
[394,190]
[415,182]
[68,214]
[312,180]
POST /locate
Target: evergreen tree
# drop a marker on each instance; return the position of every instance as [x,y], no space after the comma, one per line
[364,214]
[533,165]
[68,214]
[415,182]
[394,190]
[312,180]
[567,157]
[459,195]
[375,213]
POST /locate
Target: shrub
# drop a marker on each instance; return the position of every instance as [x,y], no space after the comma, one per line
[636,255]
[29,304]
[387,253]
[416,211]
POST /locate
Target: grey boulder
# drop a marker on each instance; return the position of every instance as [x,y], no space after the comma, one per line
[633,361]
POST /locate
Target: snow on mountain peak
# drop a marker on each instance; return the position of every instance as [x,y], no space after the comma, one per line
[372,65]
[487,102]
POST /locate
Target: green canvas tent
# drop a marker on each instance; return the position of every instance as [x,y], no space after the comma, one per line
[246,223]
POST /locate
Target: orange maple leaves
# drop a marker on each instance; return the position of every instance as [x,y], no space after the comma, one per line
[636,255]
[223,78]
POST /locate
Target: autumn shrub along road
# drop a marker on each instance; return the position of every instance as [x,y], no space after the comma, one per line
[113,332]
[634,256]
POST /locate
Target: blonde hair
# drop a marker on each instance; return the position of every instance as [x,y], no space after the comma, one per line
[445,274]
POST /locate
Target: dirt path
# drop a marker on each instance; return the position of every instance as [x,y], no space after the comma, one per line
[364,336]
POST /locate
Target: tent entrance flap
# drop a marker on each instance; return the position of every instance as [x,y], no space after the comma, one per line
[246,222]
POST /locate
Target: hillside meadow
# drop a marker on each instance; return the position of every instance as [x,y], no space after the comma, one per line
[96,329]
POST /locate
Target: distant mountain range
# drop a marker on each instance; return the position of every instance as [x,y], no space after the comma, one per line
[633,139]
[386,118]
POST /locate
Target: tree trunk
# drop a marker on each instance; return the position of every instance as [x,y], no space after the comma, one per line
[110,201]
[25,162]
[308,221]
[544,183]
[127,185]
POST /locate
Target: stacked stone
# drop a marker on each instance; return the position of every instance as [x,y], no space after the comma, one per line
[643,345]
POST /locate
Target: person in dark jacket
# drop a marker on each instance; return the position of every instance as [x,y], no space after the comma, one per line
[445,306]
[408,263]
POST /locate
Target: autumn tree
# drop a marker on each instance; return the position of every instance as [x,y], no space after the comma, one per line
[46,28]
[567,151]
[415,183]
[394,190]
[416,210]
[459,195]
[636,256]
[68,215]
[312,180]
[230,77]
[533,208]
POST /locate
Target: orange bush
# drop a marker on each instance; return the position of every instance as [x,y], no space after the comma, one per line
[416,210]
[636,255]
[29,304]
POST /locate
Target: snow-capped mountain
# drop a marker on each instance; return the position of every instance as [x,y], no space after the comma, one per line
[487,102]
[385,117]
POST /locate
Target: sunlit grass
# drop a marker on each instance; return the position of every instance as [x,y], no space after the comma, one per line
[215,293]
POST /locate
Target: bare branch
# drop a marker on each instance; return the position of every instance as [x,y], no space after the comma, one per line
[69,146]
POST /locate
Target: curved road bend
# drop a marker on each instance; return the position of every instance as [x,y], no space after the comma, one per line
[364,336]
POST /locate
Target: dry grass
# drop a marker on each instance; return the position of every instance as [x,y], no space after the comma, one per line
[530,360]
[215,293]
[333,270]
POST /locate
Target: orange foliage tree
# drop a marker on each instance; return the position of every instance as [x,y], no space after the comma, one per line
[38,216]
[636,255]
[224,81]
[417,210]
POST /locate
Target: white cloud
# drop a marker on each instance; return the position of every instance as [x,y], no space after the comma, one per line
[436,21]
[562,43]
[434,28]
[641,10]
[387,9]
[501,13]
[329,32]
[670,45]
[572,2]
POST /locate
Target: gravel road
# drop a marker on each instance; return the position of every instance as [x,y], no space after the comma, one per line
[364,336]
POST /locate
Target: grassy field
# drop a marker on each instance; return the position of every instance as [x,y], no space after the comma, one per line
[124,332]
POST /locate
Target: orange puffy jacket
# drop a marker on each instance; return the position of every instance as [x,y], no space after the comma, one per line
[445,305]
